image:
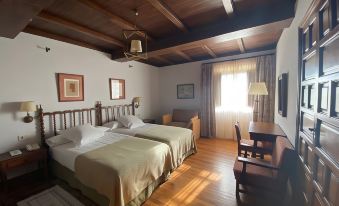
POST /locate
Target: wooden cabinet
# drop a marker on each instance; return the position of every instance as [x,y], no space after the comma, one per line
[318,131]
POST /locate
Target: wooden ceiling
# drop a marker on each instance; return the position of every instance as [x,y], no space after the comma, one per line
[179,30]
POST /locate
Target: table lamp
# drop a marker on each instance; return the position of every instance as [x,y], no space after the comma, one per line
[258,89]
[28,106]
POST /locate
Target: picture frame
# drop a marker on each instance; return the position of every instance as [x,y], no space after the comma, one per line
[117,88]
[185,91]
[70,87]
[282,94]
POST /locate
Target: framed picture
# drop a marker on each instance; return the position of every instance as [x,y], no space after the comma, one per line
[70,87]
[117,88]
[185,91]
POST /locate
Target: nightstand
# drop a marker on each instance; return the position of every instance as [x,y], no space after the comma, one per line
[150,121]
[8,163]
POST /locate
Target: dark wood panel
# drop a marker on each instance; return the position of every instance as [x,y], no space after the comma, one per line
[330,54]
[333,190]
[262,40]
[320,173]
[16,15]
[310,67]
[323,97]
[329,140]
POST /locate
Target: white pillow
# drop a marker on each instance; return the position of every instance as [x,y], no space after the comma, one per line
[56,140]
[82,134]
[131,121]
[104,129]
[113,125]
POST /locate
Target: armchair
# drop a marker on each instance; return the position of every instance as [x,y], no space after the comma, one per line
[266,176]
[183,118]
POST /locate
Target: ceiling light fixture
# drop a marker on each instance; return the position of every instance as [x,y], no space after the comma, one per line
[136,42]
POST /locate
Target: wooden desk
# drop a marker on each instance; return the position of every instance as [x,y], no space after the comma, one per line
[264,131]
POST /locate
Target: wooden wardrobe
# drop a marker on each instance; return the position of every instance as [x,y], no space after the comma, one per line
[318,118]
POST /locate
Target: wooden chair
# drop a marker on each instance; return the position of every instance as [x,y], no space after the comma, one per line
[266,176]
[183,118]
[245,145]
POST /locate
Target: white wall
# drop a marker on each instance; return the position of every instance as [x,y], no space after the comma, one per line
[28,73]
[287,62]
[170,76]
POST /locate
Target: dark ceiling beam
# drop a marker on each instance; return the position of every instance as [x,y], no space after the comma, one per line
[241,45]
[183,55]
[163,59]
[40,32]
[258,21]
[228,5]
[15,15]
[46,16]
[168,13]
[209,51]
[115,19]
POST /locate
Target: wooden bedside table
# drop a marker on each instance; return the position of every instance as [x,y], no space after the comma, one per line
[8,163]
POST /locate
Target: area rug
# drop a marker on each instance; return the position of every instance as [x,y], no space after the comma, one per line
[55,196]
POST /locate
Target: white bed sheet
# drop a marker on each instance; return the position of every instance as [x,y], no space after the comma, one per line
[67,153]
[132,132]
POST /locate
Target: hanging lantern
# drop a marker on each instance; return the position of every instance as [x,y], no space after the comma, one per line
[136,43]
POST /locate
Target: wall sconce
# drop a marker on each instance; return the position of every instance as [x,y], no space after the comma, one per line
[136,101]
[28,106]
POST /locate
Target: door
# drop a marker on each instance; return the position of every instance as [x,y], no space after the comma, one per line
[318,133]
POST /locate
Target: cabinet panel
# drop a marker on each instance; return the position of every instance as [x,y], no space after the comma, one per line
[324,91]
[308,125]
[320,173]
[325,16]
[329,140]
[336,99]
[310,67]
[330,54]
[333,190]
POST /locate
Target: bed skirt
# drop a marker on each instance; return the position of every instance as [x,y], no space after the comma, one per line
[67,175]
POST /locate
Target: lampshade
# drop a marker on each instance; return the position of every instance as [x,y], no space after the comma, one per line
[257,88]
[137,99]
[28,106]
[136,46]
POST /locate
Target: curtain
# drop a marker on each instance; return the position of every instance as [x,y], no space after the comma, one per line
[207,102]
[265,72]
[230,96]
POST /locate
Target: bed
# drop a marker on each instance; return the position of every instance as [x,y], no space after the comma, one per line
[115,169]
[180,140]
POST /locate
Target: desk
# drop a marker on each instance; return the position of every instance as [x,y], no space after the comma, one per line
[264,131]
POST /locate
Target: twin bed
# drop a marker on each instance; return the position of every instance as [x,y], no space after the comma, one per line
[122,166]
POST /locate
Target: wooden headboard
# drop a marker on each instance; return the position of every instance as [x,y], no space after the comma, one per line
[59,120]
[110,113]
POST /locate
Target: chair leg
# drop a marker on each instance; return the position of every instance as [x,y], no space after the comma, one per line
[262,156]
[245,153]
[237,191]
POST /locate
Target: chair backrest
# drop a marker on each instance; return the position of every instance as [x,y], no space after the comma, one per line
[237,131]
[283,157]
[183,115]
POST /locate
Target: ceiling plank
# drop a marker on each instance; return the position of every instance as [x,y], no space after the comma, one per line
[168,13]
[228,5]
[163,59]
[46,16]
[39,32]
[17,14]
[209,51]
[241,45]
[115,19]
[183,55]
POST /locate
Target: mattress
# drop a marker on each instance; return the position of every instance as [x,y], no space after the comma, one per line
[66,154]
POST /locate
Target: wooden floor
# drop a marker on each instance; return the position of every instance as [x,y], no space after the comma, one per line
[205,178]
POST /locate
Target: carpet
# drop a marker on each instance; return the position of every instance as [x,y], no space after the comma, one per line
[55,196]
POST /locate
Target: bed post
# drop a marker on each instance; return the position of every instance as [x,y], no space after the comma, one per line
[42,126]
[98,113]
[133,107]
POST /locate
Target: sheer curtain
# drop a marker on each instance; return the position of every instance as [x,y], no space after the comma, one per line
[231,96]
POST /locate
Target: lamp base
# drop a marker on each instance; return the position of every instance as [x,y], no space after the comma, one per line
[28,119]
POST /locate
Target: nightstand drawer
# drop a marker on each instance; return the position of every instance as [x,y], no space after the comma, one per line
[15,163]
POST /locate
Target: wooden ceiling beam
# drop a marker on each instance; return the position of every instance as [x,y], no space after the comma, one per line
[241,45]
[183,55]
[209,51]
[40,32]
[15,15]
[115,19]
[228,5]
[163,59]
[168,13]
[46,16]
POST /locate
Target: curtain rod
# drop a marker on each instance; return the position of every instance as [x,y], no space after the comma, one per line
[241,56]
